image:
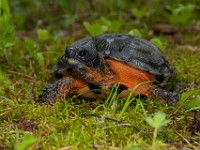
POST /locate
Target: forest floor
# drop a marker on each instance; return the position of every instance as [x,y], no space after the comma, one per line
[77,123]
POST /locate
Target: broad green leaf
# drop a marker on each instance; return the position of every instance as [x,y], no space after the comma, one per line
[150,121]
[27,141]
[158,120]
[43,35]
[135,32]
[95,28]
[193,102]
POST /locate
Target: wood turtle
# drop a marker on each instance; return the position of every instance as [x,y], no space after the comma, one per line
[92,65]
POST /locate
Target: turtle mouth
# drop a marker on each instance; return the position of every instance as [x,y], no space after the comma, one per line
[66,68]
[60,73]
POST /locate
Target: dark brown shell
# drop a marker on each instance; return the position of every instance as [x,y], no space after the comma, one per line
[132,50]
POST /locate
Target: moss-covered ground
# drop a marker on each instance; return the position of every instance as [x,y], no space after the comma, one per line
[44,29]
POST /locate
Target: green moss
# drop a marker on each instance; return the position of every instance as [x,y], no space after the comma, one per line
[5,83]
[77,123]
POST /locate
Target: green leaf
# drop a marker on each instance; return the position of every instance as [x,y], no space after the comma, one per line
[7,32]
[139,13]
[158,120]
[43,35]
[113,26]
[40,58]
[105,22]
[135,32]
[30,46]
[95,28]
[193,102]
[150,121]
[158,43]
[182,15]
[27,141]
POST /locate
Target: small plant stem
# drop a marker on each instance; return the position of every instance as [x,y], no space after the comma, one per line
[186,140]
[154,139]
[180,106]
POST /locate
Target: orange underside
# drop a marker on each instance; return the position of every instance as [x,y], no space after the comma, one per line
[127,75]
[132,77]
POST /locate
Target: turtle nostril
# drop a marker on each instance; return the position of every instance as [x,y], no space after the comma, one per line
[69,70]
[58,76]
[70,52]
[71,48]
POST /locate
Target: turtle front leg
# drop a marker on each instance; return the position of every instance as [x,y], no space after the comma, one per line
[169,97]
[59,89]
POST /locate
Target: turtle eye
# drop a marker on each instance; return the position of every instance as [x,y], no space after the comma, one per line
[85,56]
[82,53]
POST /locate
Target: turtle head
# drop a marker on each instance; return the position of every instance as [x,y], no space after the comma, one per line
[81,61]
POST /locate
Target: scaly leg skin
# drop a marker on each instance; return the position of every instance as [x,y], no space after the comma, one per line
[169,97]
[59,89]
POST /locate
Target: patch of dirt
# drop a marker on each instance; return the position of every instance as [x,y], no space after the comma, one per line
[189,48]
[26,125]
[195,126]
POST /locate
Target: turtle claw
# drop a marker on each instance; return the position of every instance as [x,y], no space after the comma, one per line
[169,97]
[179,87]
[48,95]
